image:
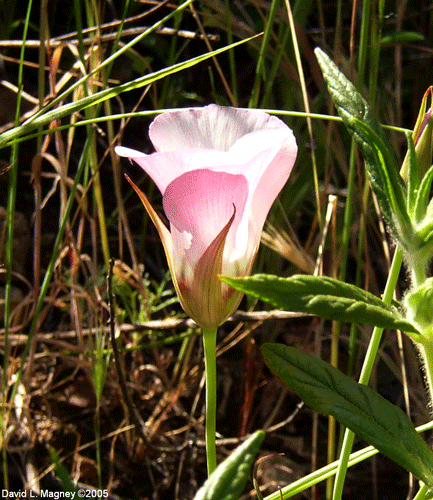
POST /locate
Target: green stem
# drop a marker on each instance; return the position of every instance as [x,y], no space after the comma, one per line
[422,492]
[426,353]
[418,272]
[209,344]
[367,368]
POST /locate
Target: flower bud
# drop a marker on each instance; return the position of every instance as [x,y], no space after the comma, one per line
[423,139]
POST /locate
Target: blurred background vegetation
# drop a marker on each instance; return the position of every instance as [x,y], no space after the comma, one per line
[71,231]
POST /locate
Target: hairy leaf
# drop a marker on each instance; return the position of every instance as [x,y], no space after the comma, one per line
[322,296]
[380,160]
[356,406]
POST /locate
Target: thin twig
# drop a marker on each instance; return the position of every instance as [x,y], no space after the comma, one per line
[55,42]
[158,325]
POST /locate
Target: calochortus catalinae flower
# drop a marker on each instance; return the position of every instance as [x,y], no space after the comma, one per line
[219,170]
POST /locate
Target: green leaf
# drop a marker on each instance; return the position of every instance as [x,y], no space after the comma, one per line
[356,406]
[383,179]
[322,296]
[402,37]
[380,160]
[230,477]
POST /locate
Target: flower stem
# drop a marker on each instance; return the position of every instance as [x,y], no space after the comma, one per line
[209,344]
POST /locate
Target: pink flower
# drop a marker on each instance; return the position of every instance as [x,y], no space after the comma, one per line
[219,170]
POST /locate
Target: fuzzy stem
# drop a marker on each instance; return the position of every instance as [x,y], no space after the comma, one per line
[426,353]
[418,274]
[209,344]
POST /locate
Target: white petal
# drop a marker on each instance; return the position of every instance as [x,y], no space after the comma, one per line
[128,152]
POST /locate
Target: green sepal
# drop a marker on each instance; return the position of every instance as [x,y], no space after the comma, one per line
[422,139]
[412,175]
[423,203]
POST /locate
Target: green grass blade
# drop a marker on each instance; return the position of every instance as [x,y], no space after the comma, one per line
[10,221]
[67,109]
[260,67]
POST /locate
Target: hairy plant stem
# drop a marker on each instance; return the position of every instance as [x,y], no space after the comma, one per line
[426,353]
[209,344]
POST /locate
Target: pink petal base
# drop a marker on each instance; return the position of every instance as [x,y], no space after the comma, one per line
[198,205]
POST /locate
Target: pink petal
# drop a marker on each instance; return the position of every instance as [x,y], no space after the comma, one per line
[212,127]
[128,152]
[269,156]
[198,205]
[163,168]
[206,298]
[267,173]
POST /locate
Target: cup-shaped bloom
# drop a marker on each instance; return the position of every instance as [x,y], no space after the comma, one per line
[219,170]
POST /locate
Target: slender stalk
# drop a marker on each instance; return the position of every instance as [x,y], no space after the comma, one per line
[306,106]
[367,368]
[422,492]
[8,257]
[91,113]
[260,68]
[45,117]
[97,431]
[231,54]
[209,344]
[281,44]
[47,279]
[10,220]
[167,83]
[397,261]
